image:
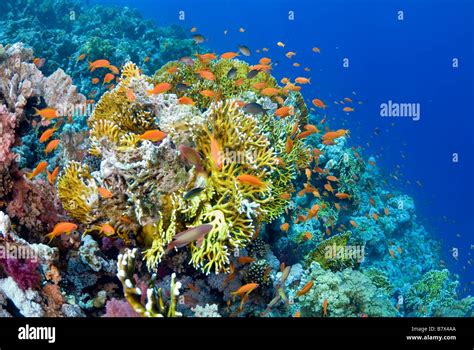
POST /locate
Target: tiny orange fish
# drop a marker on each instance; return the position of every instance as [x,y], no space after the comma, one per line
[46,113]
[52,176]
[386,212]
[38,170]
[239,82]
[325,307]
[45,136]
[216,153]
[289,145]
[159,89]
[153,135]
[205,74]
[104,193]
[51,146]
[107,229]
[348,109]
[318,103]
[81,57]
[283,112]
[229,55]
[113,69]
[245,260]
[250,180]
[270,91]
[354,224]
[186,101]
[375,216]
[108,78]
[301,80]
[285,227]
[95,81]
[305,289]
[60,228]
[332,178]
[98,64]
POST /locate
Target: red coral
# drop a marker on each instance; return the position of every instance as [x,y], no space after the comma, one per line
[23,271]
[119,308]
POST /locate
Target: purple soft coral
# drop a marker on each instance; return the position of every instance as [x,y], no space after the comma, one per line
[119,308]
[23,271]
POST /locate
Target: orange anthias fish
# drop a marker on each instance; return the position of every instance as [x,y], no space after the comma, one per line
[229,55]
[108,78]
[305,289]
[104,193]
[283,112]
[206,57]
[332,178]
[250,180]
[353,223]
[386,212]
[107,229]
[184,100]
[45,136]
[51,146]
[318,103]
[245,260]
[264,61]
[348,109]
[60,228]
[288,145]
[284,227]
[245,289]
[259,86]
[38,170]
[153,135]
[98,64]
[113,69]
[159,89]
[375,216]
[81,57]
[207,93]
[270,91]
[328,187]
[46,113]
[325,307]
[285,196]
[311,127]
[130,94]
[95,81]
[392,253]
[205,74]
[52,176]
[332,135]
[216,153]
[301,80]
[343,195]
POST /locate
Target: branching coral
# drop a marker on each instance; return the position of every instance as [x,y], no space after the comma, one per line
[155,304]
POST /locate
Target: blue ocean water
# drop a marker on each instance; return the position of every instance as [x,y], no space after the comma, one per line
[404,60]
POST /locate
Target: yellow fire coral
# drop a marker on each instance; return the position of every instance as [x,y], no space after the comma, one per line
[149,180]
[77,191]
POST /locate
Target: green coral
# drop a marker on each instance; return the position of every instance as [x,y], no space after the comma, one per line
[379,279]
[435,295]
[349,293]
[333,253]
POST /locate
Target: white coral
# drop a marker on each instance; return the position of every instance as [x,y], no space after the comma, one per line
[25,301]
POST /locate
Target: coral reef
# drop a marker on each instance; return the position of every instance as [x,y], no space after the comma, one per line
[197,187]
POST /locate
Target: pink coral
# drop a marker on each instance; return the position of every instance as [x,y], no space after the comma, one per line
[24,272]
[119,308]
[34,205]
[7,136]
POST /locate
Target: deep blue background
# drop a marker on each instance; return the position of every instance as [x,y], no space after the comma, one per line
[403,61]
